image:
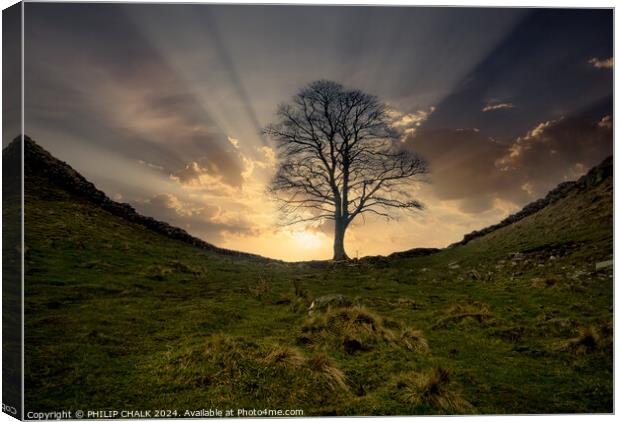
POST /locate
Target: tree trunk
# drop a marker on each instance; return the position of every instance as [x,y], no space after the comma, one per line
[339,253]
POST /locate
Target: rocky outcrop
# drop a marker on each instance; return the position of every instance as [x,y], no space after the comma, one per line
[40,163]
[593,178]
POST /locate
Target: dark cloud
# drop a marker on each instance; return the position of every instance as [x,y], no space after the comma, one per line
[475,170]
[541,66]
[558,150]
[11,73]
[460,160]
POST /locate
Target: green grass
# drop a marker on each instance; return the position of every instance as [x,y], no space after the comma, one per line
[118,317]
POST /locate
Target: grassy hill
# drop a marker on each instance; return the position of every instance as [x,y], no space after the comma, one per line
[119,316]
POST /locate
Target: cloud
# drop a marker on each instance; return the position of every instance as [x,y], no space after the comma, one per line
[169,202]
[497,106]
[212,174]
[478,173]
[214,209]
[199,217]
[150,165]
[605,122]
[461,163]
[270,156]
[408,123]
[557,150]
[234,142]
[602,63]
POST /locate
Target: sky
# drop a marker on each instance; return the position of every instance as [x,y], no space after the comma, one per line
[162,106]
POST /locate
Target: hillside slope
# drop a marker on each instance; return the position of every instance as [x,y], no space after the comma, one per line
[120,316]
[43,168]
[602,173]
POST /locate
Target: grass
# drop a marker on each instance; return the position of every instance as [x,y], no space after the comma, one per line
[434,389]
[119,317]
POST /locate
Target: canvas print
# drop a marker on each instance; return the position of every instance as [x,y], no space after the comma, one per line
[300,210]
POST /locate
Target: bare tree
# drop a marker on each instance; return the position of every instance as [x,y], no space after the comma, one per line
[338,158]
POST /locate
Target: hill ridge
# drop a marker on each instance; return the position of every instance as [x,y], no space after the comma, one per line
[39,162]
[593,177]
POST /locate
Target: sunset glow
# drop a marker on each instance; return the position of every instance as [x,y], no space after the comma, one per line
[169,118]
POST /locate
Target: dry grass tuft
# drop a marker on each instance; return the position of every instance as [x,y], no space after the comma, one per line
[236,366]
[355,328]
[299,299]
[229,352]
[299,290]
[413,340]
[321,365]
[158,272]
[261,288]
[184,268]
[435,389]
[589,339]
[286,356]
[474,311]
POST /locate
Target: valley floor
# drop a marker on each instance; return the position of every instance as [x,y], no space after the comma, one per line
[519,321]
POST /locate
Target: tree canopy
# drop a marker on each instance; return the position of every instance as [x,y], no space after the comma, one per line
[339,157]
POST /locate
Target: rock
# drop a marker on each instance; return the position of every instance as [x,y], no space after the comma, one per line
[515,256]
[332,300]
[577,274]
[604,264]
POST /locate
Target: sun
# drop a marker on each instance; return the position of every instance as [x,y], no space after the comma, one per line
[308,240]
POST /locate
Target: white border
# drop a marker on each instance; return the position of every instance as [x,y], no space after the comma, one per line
[479,3]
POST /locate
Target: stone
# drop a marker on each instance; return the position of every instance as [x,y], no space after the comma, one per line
[604,264]
[515,256]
